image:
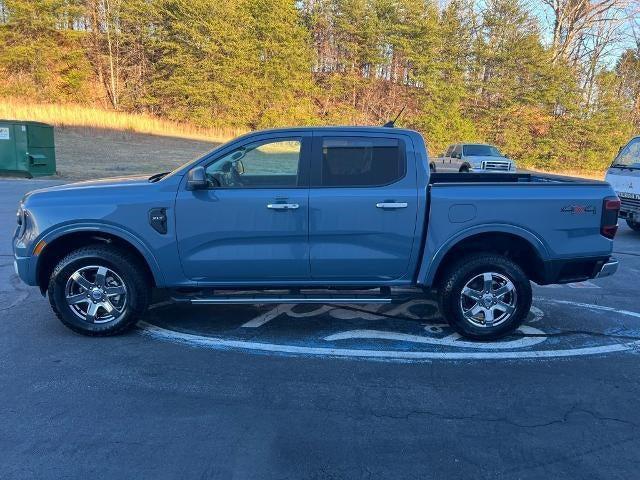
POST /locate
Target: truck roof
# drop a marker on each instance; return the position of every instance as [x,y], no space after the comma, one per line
[344,128]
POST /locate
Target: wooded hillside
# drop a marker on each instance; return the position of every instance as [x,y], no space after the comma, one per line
[555,83]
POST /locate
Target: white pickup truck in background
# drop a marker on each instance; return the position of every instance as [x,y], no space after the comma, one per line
[624,177]
[472,157]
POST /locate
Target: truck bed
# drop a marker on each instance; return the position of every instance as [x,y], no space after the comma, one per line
[518,177]
[557,215]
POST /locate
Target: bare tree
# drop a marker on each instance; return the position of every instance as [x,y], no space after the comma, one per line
[572,21]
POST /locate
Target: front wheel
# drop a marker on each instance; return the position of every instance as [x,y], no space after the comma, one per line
[99,290]
[485,296]
[635,226]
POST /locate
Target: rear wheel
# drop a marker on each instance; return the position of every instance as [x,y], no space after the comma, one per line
[634,225]
[485,296]
[99,290]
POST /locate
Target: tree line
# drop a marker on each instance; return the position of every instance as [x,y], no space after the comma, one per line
[554,83]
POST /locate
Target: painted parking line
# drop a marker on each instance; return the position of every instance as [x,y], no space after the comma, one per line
[585,284]
[579,285]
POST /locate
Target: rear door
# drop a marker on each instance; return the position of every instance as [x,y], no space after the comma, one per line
[362,207]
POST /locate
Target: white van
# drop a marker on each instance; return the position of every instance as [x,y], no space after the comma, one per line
[624,177]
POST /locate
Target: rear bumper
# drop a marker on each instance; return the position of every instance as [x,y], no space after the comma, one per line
[608,268]
[577,269]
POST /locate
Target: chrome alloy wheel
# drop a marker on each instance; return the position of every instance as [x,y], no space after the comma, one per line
[96,294]
[488,299]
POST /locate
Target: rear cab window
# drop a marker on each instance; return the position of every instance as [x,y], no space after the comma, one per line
[361,161]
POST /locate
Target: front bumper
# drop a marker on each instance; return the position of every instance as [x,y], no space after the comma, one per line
[26,269]
[608,268]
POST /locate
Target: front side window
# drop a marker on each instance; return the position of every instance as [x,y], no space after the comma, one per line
[481,151]
[271,163]
[629,156]
[361,162]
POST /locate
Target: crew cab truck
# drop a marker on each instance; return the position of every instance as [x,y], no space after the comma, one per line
[624,177]
[472,157]
[340,215]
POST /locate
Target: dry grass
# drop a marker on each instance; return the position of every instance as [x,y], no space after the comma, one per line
[591,175]
[92,117]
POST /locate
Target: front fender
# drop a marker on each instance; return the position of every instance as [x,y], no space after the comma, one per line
[113,229]
[433,254]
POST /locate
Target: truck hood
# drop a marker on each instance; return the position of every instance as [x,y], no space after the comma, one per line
[89,185]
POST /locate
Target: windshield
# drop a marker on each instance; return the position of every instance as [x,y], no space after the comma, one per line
[481,151]
[629,156]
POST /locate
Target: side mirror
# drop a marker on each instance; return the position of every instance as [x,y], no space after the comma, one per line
[196,179]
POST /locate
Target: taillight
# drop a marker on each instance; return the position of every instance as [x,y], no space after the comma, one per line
[609,222]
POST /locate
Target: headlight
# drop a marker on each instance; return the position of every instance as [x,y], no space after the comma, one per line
[21,218]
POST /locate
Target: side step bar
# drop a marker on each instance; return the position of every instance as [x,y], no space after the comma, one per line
[242,299]
[204,297]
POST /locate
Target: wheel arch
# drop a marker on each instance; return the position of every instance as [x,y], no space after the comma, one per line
[520,245]
[60,243]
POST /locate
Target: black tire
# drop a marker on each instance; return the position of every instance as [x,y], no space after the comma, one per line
[464,169]
[635,226]
[122,267]
[432,168]
[471,267]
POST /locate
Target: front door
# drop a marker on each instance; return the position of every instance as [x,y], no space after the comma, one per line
[362,209]
[251,224]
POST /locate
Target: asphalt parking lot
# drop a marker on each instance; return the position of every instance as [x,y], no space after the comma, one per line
[322,392]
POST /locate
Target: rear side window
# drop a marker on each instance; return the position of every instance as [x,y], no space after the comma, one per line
[361,162]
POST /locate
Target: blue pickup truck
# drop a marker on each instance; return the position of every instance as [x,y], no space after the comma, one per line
[339,215]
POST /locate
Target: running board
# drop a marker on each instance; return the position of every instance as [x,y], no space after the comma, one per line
[238,299]
[209,298]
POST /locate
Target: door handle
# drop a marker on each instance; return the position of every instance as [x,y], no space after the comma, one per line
[283,206]
[392,205]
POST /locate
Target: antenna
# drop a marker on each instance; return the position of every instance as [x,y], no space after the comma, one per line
[392,123]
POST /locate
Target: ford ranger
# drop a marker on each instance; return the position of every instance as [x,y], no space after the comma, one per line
[339,215]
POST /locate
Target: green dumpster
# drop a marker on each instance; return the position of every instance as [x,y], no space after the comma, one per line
[27,148]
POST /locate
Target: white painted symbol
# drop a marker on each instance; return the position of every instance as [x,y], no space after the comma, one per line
[362,312]
[4,133]
[485,352]
[453,340]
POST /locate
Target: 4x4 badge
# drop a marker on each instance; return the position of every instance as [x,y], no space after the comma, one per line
[579,209]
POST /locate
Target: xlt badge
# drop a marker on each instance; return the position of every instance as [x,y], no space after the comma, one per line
[158,219]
